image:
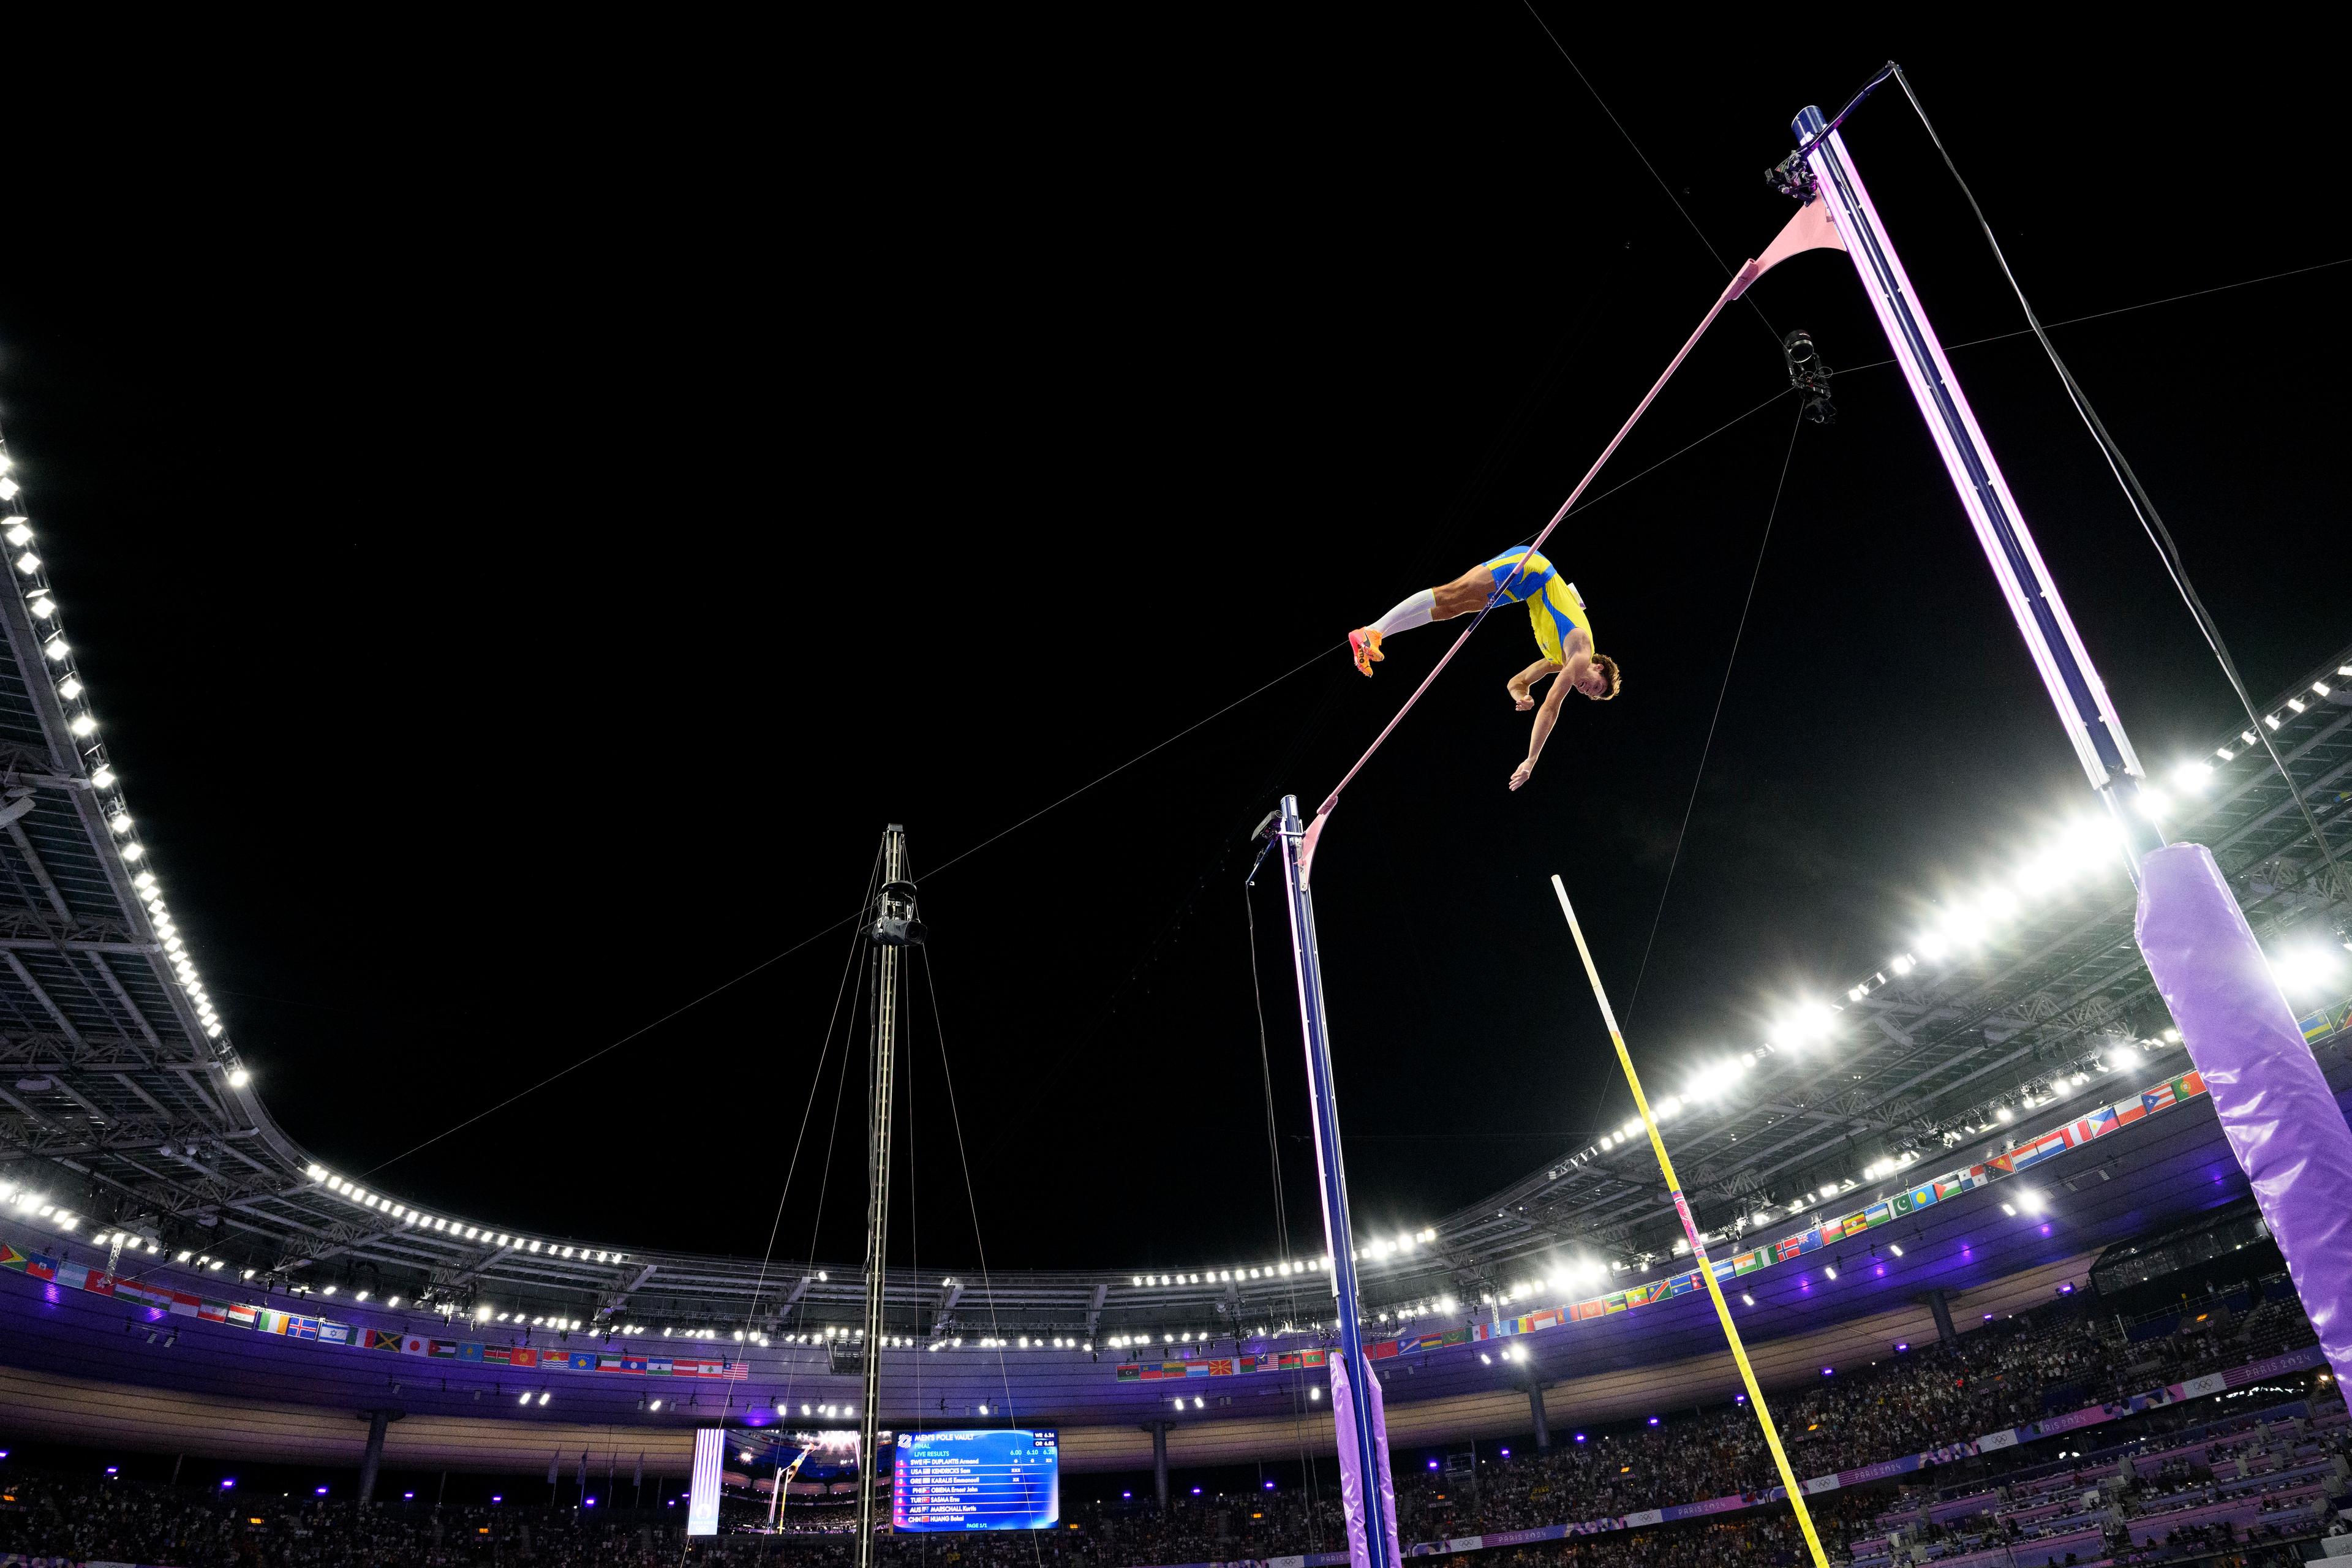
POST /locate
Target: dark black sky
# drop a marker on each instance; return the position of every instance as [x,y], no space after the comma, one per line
[527,525]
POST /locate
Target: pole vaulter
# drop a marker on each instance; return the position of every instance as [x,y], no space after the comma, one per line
[1531,576]
[1368,1493]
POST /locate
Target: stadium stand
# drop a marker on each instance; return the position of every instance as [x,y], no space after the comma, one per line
[2257,1476]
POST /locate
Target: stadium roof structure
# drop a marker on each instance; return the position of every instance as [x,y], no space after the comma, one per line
[123,1103]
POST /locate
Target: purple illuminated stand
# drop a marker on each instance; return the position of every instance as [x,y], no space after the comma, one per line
[2273,1101]
[1367,1493]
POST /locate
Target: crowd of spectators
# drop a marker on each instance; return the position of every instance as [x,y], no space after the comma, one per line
[2001,1374]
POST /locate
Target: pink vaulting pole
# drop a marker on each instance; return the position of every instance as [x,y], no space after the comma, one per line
[1808,230]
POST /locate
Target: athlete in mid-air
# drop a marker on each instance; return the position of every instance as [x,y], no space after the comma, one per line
[1564,631]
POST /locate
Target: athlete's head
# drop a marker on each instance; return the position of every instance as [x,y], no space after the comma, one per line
[1598,680]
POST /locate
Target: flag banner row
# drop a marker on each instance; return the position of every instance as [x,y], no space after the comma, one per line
[2025,1153]
[2305,1360]
[2317,1025]
[164,1300]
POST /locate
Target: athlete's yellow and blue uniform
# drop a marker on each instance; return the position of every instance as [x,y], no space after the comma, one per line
[1524,576]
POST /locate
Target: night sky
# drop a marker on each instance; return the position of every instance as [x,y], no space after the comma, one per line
[526,527]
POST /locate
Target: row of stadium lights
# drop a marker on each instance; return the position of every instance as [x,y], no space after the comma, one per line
[24,1200]
[457,1229]
[1377,1250]
[41,603]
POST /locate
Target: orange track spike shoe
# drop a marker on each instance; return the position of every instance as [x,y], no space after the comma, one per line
[1364,642]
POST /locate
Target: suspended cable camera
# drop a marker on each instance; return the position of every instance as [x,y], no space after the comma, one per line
[894,923]
[1792,177]
[1809,374]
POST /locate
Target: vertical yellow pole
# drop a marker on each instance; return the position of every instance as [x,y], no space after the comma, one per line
[1690,1230]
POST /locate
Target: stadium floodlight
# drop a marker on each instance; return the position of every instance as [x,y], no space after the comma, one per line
[526,1397]
[1896,1248]
[2003,1114]
[2009,1209]
[1746,1297]
[545,1398]
[18,534]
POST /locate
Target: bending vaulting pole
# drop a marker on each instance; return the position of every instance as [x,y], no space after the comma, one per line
[1690,1230]
[1367,1492]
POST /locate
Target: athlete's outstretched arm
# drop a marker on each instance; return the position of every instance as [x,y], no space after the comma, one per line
[1579,655]
[1522,686]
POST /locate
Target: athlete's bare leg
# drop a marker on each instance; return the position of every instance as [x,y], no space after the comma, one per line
[1466,594]
[1522,686]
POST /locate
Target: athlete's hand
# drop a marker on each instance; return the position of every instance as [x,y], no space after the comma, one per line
[1523,773]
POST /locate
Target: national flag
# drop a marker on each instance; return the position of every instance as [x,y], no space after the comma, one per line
[1315,1358]
[241,1316]
[468,1351]
[1722,1267]
[2002,1163]
[2155,1098]
[213,1312]
[140,1291]
[265,1319]
[1546,1319]
[496,1355]
[2315,1025]
[1684,1284]
[301,1328]
[98,1284]
[1587,1310]
[2188,1086]
[41,1267]
[2041,1149]
[1380,1351]
[658,1366]
[1855,1224]
[582,1361]
[1900,1203]
[415,1345]
[378,1340]
[608,1364]
[1950,1186]
[2100,1122]
[334,1334]
[2126,1111]
[1749,1262]
[1877,1214]
[1130,1374]
[1786,1248]
[636,1364]
[1809,1241]
[1222,1367]
[11,1258]
[444,1350]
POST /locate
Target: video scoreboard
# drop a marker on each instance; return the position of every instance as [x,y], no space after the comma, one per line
[988,1478]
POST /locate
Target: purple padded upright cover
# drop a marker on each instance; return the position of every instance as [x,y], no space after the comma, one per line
[1351,1483]
[2275,1104]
